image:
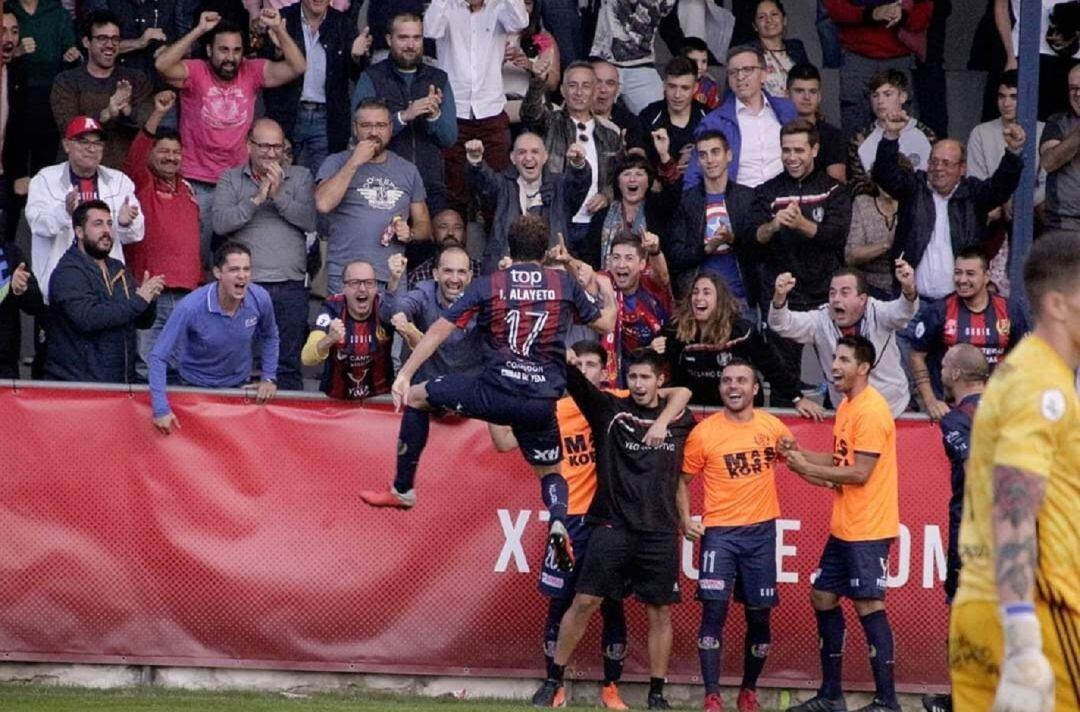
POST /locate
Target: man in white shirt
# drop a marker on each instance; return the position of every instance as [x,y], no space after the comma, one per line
[470,38]
[750,118]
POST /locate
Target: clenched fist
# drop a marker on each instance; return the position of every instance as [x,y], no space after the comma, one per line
[784,284]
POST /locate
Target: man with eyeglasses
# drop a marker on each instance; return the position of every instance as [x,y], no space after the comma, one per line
[750,118]
[573,123]
[1060,155]
[373,199]
[218,96]
[942,209]
[118,97]
[269,207]
[54,194]
[352,336]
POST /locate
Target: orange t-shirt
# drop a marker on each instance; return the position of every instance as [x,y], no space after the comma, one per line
[737,462]
[870,510]
[579,453]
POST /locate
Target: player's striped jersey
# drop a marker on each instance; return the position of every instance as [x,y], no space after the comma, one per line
[738,464]
[1028,418]
[523,314]
[864,424]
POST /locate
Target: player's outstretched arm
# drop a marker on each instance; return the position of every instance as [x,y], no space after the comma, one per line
[1027,680]
[677,399]
[813,465]
[609,310]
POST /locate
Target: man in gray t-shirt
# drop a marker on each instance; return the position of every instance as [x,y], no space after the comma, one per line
[373,199]
[1061,161]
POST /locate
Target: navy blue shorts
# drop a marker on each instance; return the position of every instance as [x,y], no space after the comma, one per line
[855,569]
[561,584]
[619,560]
[739,559]
[532,420]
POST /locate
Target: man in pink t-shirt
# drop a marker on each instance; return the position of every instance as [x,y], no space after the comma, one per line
[217,99]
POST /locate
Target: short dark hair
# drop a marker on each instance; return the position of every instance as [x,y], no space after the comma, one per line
[801,126]
[647,356]
[803,71]
[1052,265]
[589,346]
[528,238]
[371,104]
[680,66]
[82,211]
[97,18]
[974,253]
[226,27]
[888,76]
[743,362]
[404,16]
[626,237]
[711,134]
[229,247]
[166,133]
[627,161]
[862,347]
[692,44]
[1010,78]
[860,278]
[745,49]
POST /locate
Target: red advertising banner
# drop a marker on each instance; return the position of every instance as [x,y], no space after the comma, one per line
[240,540]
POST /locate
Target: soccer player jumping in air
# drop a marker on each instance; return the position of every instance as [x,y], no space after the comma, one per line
[523,314]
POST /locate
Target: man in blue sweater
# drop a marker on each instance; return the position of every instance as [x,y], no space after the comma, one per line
[211,331]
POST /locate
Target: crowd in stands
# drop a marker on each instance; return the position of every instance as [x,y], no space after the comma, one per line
[179,164]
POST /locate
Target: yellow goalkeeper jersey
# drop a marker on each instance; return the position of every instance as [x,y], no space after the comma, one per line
[1028,418]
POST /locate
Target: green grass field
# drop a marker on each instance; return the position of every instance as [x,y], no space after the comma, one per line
[22,698]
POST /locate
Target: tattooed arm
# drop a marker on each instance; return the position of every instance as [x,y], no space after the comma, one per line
[1018,495]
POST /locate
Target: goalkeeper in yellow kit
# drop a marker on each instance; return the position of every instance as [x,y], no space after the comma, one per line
[1014,639]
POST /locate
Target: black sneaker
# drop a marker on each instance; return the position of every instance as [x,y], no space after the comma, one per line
[657,702]
[561,546]
[878,706]
[550,695]
[817,703]
[937,703]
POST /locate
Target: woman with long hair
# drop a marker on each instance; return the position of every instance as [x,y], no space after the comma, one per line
[707,331]
[781,54]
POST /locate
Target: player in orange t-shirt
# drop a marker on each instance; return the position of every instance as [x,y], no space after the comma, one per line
[862,471]
[579,471]
[735,451]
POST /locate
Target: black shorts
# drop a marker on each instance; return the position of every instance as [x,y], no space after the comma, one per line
[854,569]
[645,562]
[532,420]
[739,559]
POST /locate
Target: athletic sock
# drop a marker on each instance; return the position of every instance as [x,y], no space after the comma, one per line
[613,639]
[710,642]
[556,672]
[879,638]
[556,495]
[756,647]
[656,686]
[557,608]
[412,438]
[831,636]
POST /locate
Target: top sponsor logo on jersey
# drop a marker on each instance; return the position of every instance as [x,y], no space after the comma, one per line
[529,277]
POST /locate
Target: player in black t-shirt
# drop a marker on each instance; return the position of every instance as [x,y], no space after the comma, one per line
[523,314]
[635,519]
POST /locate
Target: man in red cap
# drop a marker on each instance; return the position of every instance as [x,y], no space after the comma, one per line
[57,190]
